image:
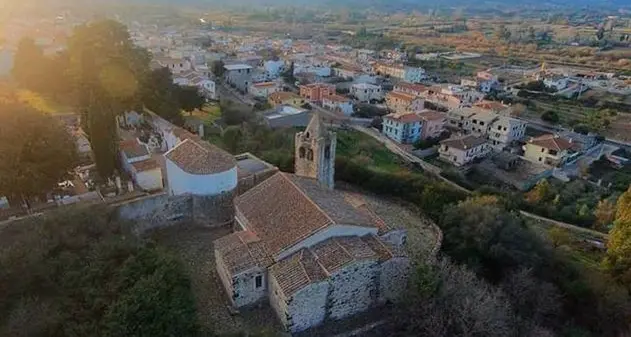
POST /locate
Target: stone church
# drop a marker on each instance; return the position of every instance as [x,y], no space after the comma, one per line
[314,253]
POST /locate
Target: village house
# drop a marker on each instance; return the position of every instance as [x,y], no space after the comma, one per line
[405,73]
[400,102]
[238,76]
[432,123]
[286,98]
[347,70]
[175,65]
[264,89]
[316,92]
[322,254]
[480,123]
[339,104]
[137,162]
[459,119]
[556,82]
[410,88]
[404,128]
[365,92]
[548,149]
[505,131]
[462,150]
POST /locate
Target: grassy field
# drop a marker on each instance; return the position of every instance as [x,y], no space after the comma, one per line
[364,149]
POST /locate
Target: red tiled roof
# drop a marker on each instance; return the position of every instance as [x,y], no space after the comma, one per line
[463,143]
[410,86]
[200,157]
[405,118]
[314,264]
[145,165]
[400,96]
[241,251]
[551,142]
[430,115]
[285,209]
[133,149]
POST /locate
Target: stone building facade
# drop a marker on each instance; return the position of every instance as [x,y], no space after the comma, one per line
[315,253]
[315,153]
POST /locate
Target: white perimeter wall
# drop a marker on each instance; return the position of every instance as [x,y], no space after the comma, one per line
[181,182]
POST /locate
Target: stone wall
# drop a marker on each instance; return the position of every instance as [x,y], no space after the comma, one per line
[308,307]
[246,183]
[353,289]
[159,210]
[244,287]
[393,278]
[277,300]
[162,210]
[224,276]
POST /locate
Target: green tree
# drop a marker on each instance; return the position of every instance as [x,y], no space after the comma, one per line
[540,193]
[217,68]
[618,260]
[36,151]
[160,95]
[189,98]
[106,70]
[231,138]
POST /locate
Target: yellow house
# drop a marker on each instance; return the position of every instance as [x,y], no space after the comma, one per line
[286,98]
[548,149]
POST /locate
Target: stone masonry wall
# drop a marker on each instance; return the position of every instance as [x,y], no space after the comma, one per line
[353,289]
[277,300]
[393,278]
[244,290]
[155,211]
[162,210]
[308,307]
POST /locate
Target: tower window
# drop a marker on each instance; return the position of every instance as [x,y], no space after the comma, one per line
[258,281]
[301,152]
[327,152]
[307,135]
[310,154]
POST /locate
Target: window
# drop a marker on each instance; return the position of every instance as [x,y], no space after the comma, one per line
[539,158]
[543,150]
[327,152]
[301,152]
[310,154]
[481,123]
[258,281]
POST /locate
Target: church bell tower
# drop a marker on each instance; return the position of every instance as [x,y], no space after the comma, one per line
[315,152]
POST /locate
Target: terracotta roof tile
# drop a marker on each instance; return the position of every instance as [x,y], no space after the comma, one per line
[430,115]
[297,271]
[405,118]
[285,209]
[145,165]
[337,98]
[200,157]
[241,251]
[418,88]
[463,143]
[402,96]
[551,142]
[133,149]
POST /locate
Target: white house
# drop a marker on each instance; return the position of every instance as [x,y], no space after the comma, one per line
[338,103]
[404,128]
[137,162]
[264,89]
[365,92]
[175,65]
[463,150]
[199,168]
[239,76]
[506,130]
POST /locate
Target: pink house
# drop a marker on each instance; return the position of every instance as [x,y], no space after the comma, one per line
[433,123]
